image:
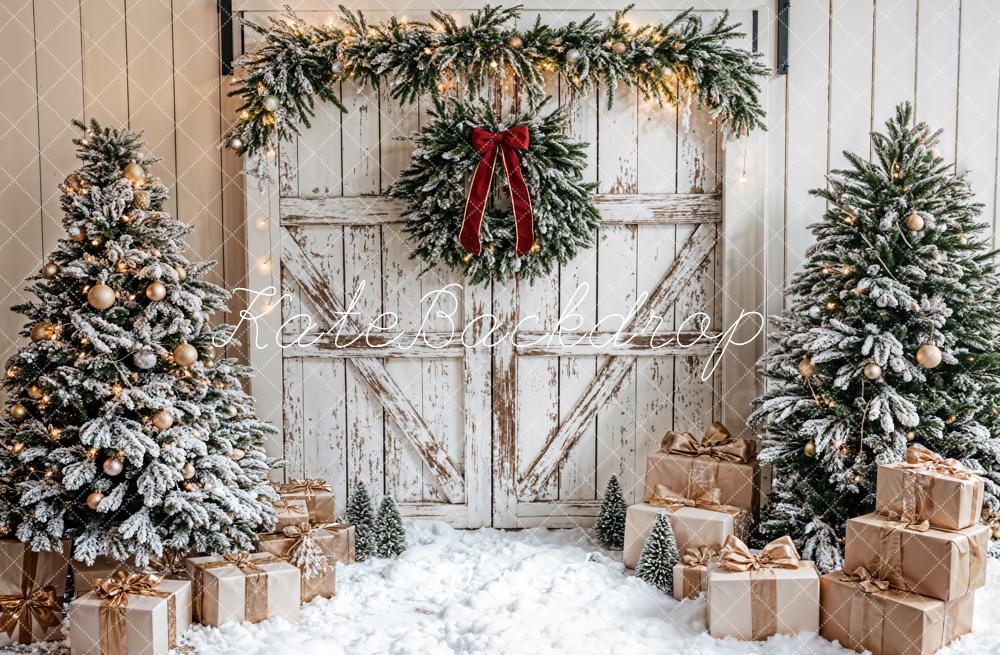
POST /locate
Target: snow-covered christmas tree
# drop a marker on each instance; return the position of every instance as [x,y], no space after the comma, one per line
[390,533]
[361,514]
[659,555]
[890,338]
[123,432]
[610,523]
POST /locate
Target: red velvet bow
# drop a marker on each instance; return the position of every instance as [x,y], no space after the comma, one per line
[485,143]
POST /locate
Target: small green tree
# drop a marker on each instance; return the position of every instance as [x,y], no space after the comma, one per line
[389,531]
[656,563]
[361,515]
[610,524]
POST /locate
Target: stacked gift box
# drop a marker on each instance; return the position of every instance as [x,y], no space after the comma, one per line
[911,568]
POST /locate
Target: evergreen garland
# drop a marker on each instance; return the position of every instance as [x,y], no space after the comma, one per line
[680,61]
[659,555]
[435,187]
[610,524]
[389,531]
[361,515]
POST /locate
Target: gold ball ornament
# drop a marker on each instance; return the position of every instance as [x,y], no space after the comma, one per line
[41,331]
[134,173]
[873,371]
[914,222]
[113,466]
[181,274]
[163,419]
[35,392]
[911,435]
[185,354]
[236,454]
[806,368]
[50,270]
[929,356]
[229,411]
[101,296]
[94,499]
[270,103]
[156,291]
[188,471]
[18,411]
[515,42]
[809,449]
[141,199]
[618,48]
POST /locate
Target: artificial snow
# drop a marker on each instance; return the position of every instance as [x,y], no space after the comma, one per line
[525,592]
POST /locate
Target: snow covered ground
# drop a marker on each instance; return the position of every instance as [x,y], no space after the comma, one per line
[533,591]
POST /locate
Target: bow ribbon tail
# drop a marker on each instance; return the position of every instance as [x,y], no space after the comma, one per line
[479,192]
[519,199]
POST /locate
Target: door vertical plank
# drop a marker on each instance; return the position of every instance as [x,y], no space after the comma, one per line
[938,27]
[319,155]
[105,91]
[152,102]
[293,401]
[490,499]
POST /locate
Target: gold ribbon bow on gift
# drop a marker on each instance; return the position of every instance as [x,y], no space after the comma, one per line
[866,581]
[716,443]
[114,592]
[920,458]
[305,553]
[700,556]
[30,605]
[244,562]
[710,499]
[308,486]
[779,554]
[170,564]
[909,520]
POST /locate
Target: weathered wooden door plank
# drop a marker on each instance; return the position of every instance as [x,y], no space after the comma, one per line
[697,248]
[375,374]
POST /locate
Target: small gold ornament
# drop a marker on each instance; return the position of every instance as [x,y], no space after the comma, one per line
[618,48]
[113,466]
[515,42]
[77,233]
[156,291]
[134,173]
[163,419]
[911,435]
[55,433]
[181,274]
[94,499]
[809,449]
[185,354]
[929,355]
[42,331]
[914,222]
[18,411]
[270,103]
[101,296]
[806,368]
[141,199]
[188,471]
[535,247]
[236,454]
[50,270]
[873,371]
[229,411]
[35,392]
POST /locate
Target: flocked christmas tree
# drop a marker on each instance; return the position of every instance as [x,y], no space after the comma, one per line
[890,338]
[390,535]
[659,555]
[610,523]
[123,432]
[361,515]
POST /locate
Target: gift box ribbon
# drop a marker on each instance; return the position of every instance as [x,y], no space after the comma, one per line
[305,553]
[255,593]
[919,458]
[891,552]
[710,499]
[717,443]
[695,560]
[33,604]
[114,592]
[916,497]
[308,487]
[779,554]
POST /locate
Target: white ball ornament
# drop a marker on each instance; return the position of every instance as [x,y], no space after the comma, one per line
[236,454]
[270,103]
[144,359]
[873,371]
[113,467]
[188,471]
[336,68]
[94,499]
[236,143]
[929,356]
[573,55]
[229,411]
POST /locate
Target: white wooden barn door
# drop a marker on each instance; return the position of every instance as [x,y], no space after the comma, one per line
[527,432]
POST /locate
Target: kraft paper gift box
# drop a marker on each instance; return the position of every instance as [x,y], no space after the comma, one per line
[698,522]
[717,460]
[32,586]
[317,495]
[103,567]
[927,487]
[863,613]
[754,596]
[691,572]
[130,614]
[942,564]
[244,587]
[290,512]
[315,550]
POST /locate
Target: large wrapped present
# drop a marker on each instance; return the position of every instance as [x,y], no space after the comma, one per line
[757,595]
[718,460]
[942,564]
[244,586]
[130,614]
[32,586]
[317,495]
[290,512]
[315,550]
[691,571]
[863,612]
[103,567]
[927,487]
[698,521]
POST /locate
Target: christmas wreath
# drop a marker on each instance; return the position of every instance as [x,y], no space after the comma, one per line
[493,197]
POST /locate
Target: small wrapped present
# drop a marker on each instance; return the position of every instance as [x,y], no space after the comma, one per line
[103,567]
[691,572]
[718,460]
[32,586]
[244,587]
[315,550]
[942,564]
[927,487]
[172,564]
[863,612]
[290,512]
[317,495]
[756,595]
[130,614]
[699,521]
